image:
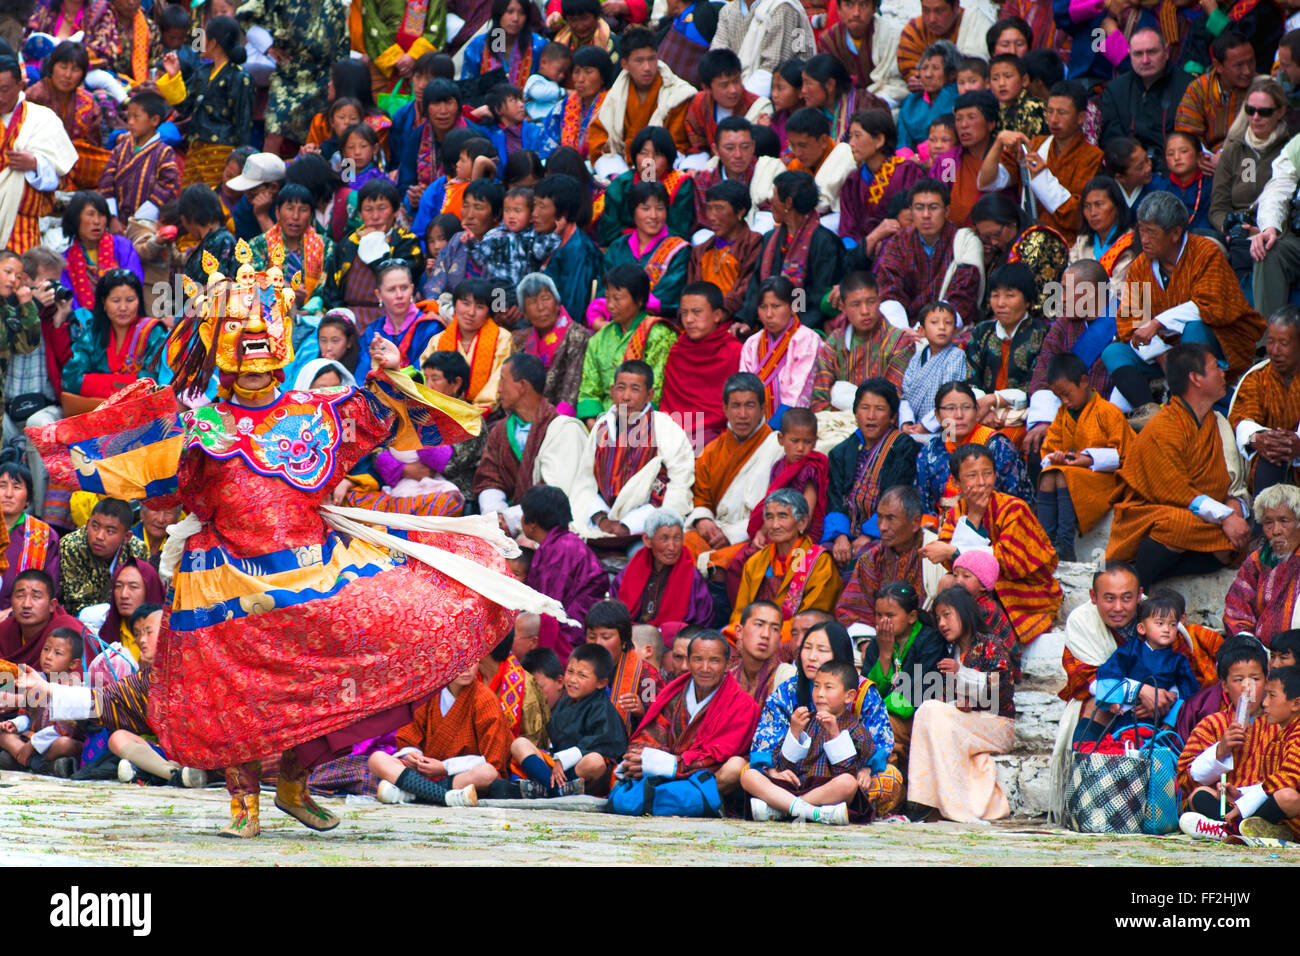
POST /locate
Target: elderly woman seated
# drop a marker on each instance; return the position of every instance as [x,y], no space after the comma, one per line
[660,583]
[790,570]
[554,337]
[1262,600]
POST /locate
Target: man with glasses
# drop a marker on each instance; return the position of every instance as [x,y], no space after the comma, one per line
[1143,104]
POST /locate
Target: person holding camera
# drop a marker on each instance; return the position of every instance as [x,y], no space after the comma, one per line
[32,382]
[1254,141]
[20,320]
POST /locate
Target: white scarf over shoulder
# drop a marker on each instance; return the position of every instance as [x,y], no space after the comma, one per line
[613,111]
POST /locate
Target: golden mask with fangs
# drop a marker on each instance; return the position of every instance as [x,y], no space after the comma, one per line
[252,314]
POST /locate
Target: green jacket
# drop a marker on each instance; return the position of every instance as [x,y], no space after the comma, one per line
[20,334]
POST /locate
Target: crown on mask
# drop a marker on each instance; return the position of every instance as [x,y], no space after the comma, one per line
[249,292]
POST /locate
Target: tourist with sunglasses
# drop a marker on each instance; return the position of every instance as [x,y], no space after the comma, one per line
[1254,141]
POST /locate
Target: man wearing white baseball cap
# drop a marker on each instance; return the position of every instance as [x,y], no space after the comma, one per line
[259,182]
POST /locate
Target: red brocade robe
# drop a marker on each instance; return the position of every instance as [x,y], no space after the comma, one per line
[694,374]
[281,634]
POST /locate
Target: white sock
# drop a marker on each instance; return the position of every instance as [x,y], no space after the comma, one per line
[803,810]
[1119,401]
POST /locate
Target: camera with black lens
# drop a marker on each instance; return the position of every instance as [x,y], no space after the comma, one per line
[61,292]
[1238,239]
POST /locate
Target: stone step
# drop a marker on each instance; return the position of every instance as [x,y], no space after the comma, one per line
[1203,593]
[1038,709]
[1026,782]
[1023,773]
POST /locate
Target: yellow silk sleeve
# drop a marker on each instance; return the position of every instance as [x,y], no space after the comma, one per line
[172,88]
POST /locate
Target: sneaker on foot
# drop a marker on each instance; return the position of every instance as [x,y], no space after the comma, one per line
[836,815]
[1202,827]
[392,793]
[7,761]
[193,779]
[530,790]
[1258,827]
[764,812]
[464,797]
[127,772]
[570,788]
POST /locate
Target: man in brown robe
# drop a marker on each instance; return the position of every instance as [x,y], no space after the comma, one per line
[748,446]
[1182,285]
[646,93]
[533,445]
[1265,410]
[1180,507]
[1060,164]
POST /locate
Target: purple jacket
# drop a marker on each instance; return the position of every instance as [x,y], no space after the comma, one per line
[566,569]
[390,469]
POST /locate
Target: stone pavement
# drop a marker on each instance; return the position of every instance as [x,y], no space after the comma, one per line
[108,824]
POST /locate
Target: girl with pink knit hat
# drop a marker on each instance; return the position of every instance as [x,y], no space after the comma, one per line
[976,570]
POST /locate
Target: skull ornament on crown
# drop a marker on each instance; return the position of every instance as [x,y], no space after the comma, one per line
[244,324]
[253,316]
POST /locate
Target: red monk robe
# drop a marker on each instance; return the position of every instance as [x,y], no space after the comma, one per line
[722,730]
[694,374]
[671,600]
